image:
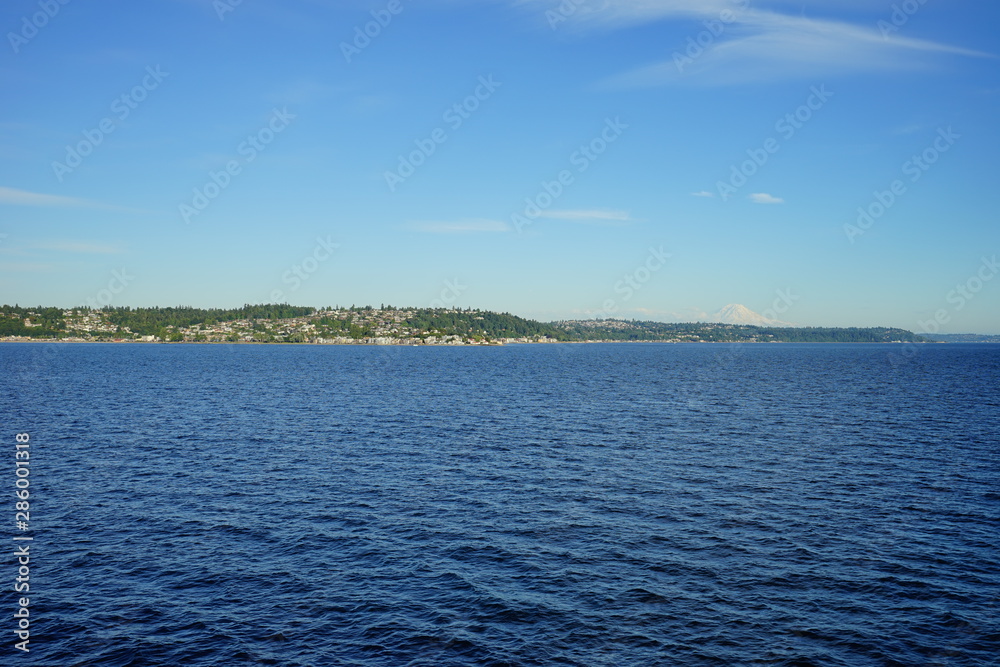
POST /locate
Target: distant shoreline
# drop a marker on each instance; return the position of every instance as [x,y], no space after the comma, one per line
[388,325]
[499,344]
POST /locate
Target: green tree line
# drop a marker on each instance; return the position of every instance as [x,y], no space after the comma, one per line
[48,322]
[618,330]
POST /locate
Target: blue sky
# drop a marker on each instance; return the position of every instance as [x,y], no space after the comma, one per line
[828,163]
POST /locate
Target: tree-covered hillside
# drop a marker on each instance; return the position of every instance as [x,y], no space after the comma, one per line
[37,322]
[151,321]
[492,325]
[624,330]
[284,323]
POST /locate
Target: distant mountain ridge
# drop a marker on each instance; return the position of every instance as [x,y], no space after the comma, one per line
[736,313]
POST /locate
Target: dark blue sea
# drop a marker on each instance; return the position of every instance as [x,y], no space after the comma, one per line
[599,504]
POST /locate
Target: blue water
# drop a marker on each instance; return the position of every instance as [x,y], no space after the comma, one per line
[630,504]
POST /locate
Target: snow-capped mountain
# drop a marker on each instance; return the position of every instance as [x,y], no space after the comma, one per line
[735,313]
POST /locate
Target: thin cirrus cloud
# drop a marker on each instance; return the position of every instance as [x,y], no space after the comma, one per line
[16,197]
[758,45]
[79,247]
[764,198]
[25,198]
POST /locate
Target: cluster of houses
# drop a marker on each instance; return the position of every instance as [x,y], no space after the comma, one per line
[338,327]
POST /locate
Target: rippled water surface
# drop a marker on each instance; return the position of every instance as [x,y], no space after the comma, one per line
[522,505]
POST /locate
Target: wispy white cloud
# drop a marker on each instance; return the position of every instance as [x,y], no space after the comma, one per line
[80,247]
[613,14]
[25,198]
[703,193]
[593,216]
[764,198]
[908,129]
[750,43]
[16,197]
[470,226]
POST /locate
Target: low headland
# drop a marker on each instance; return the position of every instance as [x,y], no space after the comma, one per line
[388,325]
